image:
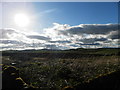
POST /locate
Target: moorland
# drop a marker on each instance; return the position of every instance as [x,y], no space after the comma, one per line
[79,68]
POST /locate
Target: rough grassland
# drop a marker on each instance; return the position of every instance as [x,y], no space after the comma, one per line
[56,69]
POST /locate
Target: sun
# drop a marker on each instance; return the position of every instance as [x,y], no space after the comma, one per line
[21,19]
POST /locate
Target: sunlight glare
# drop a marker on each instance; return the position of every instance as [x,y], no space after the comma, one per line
[21,19]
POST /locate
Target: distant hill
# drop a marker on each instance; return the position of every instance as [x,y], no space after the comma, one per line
[72,53]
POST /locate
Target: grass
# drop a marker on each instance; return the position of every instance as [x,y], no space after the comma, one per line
[57,69]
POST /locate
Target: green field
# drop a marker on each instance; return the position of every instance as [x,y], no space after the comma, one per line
[59,68]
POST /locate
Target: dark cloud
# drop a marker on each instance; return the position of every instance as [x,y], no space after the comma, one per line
[12,42]
[9,41]
[75,45]
[60,41]
[6,47]
[114,35]
[38,37]
[100,39]
[91,29]
[91,44]
[90,40]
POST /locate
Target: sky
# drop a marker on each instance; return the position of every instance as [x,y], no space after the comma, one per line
[73,13]
[58,25]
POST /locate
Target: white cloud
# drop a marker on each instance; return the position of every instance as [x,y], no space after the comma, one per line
[62,36]
[14,39]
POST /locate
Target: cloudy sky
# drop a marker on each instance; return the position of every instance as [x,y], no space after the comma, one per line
[58,25]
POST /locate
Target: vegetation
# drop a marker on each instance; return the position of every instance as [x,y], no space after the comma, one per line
[56,69]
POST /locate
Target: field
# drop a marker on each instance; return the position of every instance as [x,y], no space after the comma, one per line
[56,69]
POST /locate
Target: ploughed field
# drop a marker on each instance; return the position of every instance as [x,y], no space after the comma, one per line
[59,68]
